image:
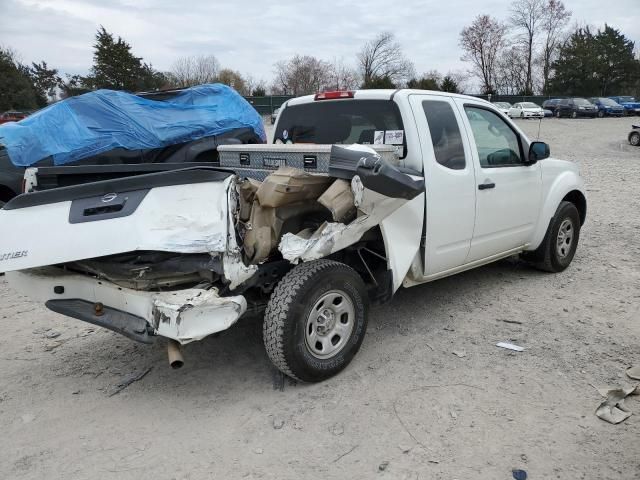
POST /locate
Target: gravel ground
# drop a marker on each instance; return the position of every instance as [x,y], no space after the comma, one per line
[406,408]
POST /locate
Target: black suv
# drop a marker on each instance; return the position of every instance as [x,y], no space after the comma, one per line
[551,104]
[576,107]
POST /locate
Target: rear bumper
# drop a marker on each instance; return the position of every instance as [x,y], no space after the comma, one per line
[183,315]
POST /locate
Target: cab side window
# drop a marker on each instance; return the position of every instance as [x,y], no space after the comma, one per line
[445,134]
[498,145]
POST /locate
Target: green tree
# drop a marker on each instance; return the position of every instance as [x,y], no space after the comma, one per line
[595,64]
[379,82]
[424,83]
[617,68]
[450,85]
[45,81]
[259,91]
[74,85]
[117,68]
[16,88]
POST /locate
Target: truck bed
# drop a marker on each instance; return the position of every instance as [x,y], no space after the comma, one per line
[255,161]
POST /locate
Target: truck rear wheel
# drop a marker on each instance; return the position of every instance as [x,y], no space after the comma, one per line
[558,248]
[316,320]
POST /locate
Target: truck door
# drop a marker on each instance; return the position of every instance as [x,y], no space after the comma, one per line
[450,182]
[508,191]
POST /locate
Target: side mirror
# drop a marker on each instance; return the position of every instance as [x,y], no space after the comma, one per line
[538,151]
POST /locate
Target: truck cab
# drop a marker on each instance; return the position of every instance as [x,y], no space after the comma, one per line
[487,194]
[389,189]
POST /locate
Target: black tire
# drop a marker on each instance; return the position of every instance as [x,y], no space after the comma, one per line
[600,113]
[290,309]
[574,114]
[557,113]
[547,257]
[522,115]
[634,139]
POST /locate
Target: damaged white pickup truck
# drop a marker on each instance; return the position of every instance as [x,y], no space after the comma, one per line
[427,185]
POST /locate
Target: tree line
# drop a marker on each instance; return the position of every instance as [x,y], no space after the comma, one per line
[533,51]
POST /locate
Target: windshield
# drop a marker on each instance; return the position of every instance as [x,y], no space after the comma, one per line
[608,102]
[341,121]
[627,99]
[503,104]
[581,101]
[529,105]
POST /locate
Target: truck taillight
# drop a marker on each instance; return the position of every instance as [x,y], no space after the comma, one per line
[333,95]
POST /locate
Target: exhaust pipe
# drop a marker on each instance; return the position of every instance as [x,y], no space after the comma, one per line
[174,349]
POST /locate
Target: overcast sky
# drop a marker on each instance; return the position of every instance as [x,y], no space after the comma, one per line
[250,35]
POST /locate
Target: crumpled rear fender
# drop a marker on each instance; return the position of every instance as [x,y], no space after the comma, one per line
[400,221]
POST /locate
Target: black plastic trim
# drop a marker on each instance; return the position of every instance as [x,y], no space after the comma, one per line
[105,207]
[131,326]
[376,173]
[127,184]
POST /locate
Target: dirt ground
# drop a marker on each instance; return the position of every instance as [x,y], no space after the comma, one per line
[406,408]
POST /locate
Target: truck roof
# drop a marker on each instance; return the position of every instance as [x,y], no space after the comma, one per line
[382,94]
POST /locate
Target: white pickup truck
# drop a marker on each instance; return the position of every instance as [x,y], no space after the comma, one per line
[394,188]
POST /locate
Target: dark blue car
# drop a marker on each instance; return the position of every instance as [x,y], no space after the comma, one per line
[607,107]
[630,104]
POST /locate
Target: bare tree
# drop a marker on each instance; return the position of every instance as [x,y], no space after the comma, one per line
[342,76]
[382,57]
[555,19]
[482,41]
[526,17]
[461,79]
[511,71]
[301,75]
[190,71]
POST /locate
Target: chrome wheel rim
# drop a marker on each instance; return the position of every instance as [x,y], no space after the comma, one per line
[565,238]
[329,324]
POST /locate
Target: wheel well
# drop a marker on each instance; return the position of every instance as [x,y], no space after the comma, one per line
[368,258]
[6,194]
[577,198]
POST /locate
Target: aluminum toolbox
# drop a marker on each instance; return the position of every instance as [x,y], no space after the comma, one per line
[259,160]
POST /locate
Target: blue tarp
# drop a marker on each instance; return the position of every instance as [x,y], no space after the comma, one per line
[96,122]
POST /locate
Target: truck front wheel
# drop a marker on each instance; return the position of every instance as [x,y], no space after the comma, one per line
[561,240]
[316,320]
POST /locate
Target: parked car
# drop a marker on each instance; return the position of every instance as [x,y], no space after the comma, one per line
[634,135]
[205,246]
[547,113]
[504,107]
[92,109]
[12,116]
[274,115]
[551,104]
[576,107]
[630,104]
[526,110]
[607,107]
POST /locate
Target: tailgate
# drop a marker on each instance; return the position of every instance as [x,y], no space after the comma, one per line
[182,211]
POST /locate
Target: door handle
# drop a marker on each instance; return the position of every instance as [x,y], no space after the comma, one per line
[485,186]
